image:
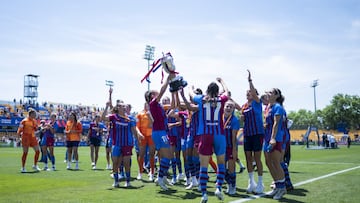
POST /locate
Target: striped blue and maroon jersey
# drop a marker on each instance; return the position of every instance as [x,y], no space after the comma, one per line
[230,123]
[210,115]
[253,119]
[184,128]
[275,110]
[120,130]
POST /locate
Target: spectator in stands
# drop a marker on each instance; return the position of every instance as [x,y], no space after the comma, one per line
[26,131]
[73,132]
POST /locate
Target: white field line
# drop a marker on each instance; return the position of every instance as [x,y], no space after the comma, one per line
[317,162]
[297,184]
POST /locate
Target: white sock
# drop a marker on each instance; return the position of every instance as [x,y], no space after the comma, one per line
[260,179]
[251,176]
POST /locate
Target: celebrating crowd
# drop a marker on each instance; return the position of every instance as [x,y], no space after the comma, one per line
[168,128]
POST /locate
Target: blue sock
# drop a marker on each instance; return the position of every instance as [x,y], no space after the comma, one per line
[203,179]
[220,175]
[196,162]
[164,167]
[179,165]
[52,158]
[127,176]
[173,166]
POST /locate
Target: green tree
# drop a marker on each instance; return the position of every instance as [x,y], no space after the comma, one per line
[343,110]
[302,119]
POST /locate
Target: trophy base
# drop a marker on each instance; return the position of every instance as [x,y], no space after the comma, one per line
[176,83]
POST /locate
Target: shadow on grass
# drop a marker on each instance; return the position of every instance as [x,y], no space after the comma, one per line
[298,192]
[30,172]
[125,188]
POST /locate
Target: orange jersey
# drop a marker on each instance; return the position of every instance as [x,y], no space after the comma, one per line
[144,123]
[74,136]
[27,127]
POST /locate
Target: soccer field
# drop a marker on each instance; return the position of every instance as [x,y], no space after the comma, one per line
[329,175]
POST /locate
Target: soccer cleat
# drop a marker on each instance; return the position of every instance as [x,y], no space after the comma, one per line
[189,187]
[68,167]
[23,170]
[251,187]
[204,198]
[108,167]
[180,176]
[139,177]
[116,185]
[53,168]
[281,192]
[93,164]
[36,168]
[259,189]
[151,177]
[273,192]
[195,181]
[162,184]
[232,190]
[173,180]
[94,167]
[219,194]
[77,167]
[46,168]
[272,185]
[187,181]
[241,169]
[166,181]
[127,184]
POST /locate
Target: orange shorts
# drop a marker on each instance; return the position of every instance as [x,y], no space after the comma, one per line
[29,141]
[146,141]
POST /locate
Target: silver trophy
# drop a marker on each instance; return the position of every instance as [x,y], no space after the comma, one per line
[168,65]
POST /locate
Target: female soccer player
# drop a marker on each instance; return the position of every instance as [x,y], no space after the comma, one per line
[73,130]
[26,131]
[122,130]
[231,126]
[159,135]
[48,140]
[253,137]
[274,138]
[212,139]
[95,136]
[144,124]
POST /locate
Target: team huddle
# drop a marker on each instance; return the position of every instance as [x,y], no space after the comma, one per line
[194,128]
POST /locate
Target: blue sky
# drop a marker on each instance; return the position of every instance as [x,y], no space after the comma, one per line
[76,45]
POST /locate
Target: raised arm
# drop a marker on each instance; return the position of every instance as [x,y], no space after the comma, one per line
[163,88]
[189,106]
[252,89]
[226,90]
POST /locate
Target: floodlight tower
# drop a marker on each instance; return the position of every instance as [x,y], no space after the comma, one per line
[314,85]
[30,88]
[149,56]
